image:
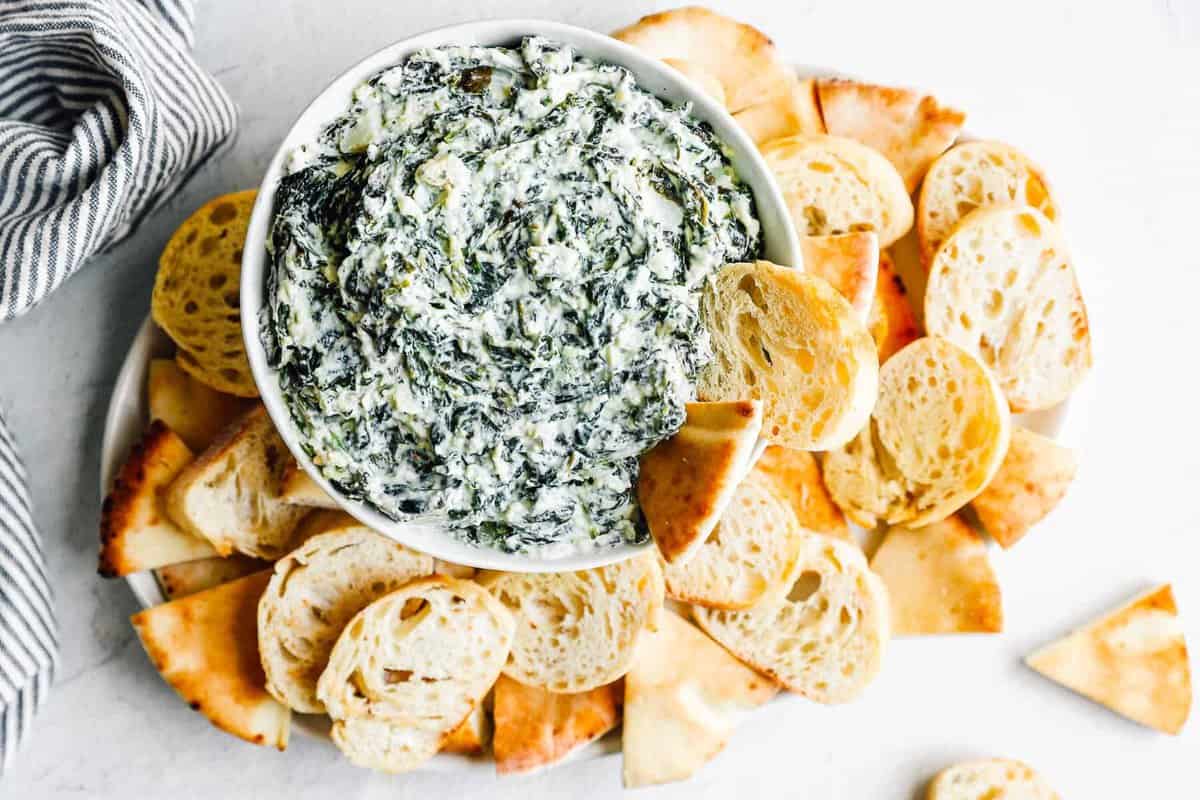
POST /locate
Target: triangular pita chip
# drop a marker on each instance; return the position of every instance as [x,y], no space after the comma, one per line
[939,580]
[892,322]
[1032,480]
[699,76]
[909,128]
[469,738]
[135,533]
[683,698]
[1133,660]
[848,262]
[180,580]
[686,481]
[536,728]
[797,478]
[300,490]
[792,111]
[206,647]
[190,408]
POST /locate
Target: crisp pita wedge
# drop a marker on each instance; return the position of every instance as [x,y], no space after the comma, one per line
[892,321]
[700,76]
[687,480]
[939,580]
[135,533]
[180,580]
[1133,660]
[206,647]
[797,479]
[1033,478]
[296,488]
[909,128]
[792,111]
[683,697]
[848,262]
[536,728]
[469,738]
[190,408]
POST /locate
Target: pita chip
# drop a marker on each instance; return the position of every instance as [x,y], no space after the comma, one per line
[190,408]
[298,489]
[1133,660]
[206,647]
[181,580]
[1031,481]
[797,479]
[686,481]
[470,737]
[699,76]
[848,262]
[792,111]
[536,728]
[939,580]
[892,322]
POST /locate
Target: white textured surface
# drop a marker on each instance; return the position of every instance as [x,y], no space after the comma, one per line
[1103,94]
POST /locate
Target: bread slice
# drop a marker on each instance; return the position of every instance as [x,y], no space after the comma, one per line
[910,129]
[420,657]
[181,580]
[939,580]
[536,729]
[796,479]
[206,647]
[791,341]
[135,533]
[230,494]
[990,779]
[683,698]
[296,488]
[190,408]
[1134,660]
[976,175]
[1032,480]
[836,185]
[315,591]
[577,630]
[848,262]
[686,481]
[1003,287]
[383,746]
[453,570]
[791,111]
[892,321]
[825,637]
[698,75]
[936,438]
[471,737]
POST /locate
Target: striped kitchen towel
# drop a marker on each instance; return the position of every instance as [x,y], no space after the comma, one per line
[103,114]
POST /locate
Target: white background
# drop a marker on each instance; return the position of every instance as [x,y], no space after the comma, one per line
[1105,95]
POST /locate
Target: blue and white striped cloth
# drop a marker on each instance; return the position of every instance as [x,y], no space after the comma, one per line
[103,114]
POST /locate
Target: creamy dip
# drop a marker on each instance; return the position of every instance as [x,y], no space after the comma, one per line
[482,302]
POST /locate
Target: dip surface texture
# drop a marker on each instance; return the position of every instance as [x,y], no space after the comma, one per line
[483,296]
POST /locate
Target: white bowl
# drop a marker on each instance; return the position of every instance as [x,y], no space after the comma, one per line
[780,241]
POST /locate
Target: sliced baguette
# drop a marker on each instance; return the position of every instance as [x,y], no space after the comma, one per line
[938,434]
[190,408]
[848,262]
[297,488]
[536,729]
[791,341]
[577,630]
[180,580]
[230,494]
[791,111]
[836,185]
[1002,286]
[383,746]
[1032,480]
[892,321]
[825,637]
[990,779]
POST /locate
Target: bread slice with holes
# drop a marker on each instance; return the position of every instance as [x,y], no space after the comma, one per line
[848,262]
[1003,286]
[1032,480]
[976,175]
[190,408]
[825,637]
[998,778]
[578,630]
[791,341]
[230,495]
[297,488]
[383,746]
[892,321]
[536,729]
[836,185]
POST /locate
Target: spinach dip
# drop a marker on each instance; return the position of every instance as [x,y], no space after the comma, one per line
[482,298]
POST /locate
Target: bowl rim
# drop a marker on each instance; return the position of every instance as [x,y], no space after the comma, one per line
[781,245]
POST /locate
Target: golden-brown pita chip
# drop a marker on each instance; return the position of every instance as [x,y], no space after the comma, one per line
[909,128]
[797,479]
[190,408]
[699,76]
[206,647]
[298,489]
[135,533]
[892,322]
[469,738]
[683,698]
[536,728]
[180,580]
[792,111]
[939,580]
[1032,480]
[686,481]
[848,262]
[1133,660]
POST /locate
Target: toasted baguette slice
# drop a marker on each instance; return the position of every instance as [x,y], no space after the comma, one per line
[698,75]
[939,580]
[1032,479]
[313,594]
[180,580]
[1003,287]
[792,111]
[384,746]
[937,436]
[297,488]
[536,729]
[683,697]
[835,185]
[990,779]
[1133,660]
[791,341]
[848,262]
[135,533]
[974,175]
[230,494]
[892,321]
[686,482]
[206,647]
[421,657]
[471,737]
[189,407]
[577,630]
[796,479]
[908,128]
[824,638]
